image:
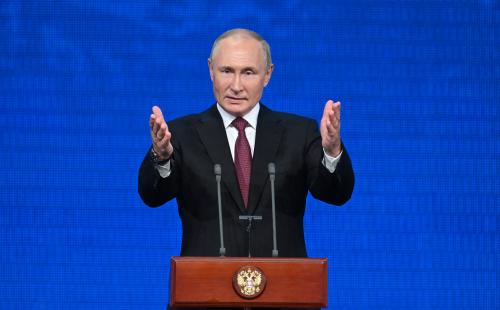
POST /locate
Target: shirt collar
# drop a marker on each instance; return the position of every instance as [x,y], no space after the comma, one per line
[250,117]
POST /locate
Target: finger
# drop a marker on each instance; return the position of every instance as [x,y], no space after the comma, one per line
[336,109]
[330,128]
[326,111]
[152,125]
[161,132]
[157,112]
[152,119]
[334,115]
[165,141]
[163,145]
[328,107]
[332,118]
[156,127]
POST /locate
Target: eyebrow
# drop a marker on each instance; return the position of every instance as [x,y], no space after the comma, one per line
[249,68]
[243,69]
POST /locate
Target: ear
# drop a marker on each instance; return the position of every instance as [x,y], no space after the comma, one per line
[269,72]
[211,69]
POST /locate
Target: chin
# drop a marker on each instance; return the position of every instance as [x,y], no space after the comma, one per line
[234,108]
[237,112]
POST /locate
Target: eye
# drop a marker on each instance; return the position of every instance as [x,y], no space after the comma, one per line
[249,72]
[225,70]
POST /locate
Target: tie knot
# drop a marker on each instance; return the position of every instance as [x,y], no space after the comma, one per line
[240,123]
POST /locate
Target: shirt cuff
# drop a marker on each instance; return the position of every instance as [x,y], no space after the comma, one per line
[164,170]
[330,162]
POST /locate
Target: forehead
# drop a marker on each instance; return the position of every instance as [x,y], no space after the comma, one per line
[239,50]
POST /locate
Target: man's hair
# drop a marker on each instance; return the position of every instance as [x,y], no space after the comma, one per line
[244,32]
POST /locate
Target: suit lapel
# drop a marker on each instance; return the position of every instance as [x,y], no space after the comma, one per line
[267,141]
[213,136]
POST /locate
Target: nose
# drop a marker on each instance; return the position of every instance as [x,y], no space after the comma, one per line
[236,85]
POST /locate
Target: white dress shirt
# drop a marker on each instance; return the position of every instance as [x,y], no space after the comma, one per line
[329,162]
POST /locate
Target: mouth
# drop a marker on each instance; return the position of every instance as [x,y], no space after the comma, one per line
[237,99]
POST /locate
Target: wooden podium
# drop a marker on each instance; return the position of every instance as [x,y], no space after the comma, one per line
[208,282]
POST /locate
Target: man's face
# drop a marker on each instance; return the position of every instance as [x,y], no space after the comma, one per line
[239,74]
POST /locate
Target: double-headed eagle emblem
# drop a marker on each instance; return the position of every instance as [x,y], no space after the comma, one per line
[249,282]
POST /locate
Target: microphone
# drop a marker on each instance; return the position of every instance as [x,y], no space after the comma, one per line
[271,169]
[217,172]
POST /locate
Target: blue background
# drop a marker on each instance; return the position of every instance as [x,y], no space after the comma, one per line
[419,83]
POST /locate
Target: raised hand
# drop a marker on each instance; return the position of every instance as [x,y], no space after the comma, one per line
[160,134]
[330,128]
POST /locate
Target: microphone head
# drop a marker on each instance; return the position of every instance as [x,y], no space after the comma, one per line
[271,168]
[217,169]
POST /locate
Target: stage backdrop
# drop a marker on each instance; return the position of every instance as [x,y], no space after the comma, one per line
[419,83]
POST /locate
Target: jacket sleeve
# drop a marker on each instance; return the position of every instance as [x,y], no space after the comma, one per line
[334,188]
[154,189]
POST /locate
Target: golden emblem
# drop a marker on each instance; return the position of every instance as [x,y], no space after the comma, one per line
[249,282]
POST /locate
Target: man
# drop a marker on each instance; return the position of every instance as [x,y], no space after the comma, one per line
[243,136]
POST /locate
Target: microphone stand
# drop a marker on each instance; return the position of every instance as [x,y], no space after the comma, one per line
[271,168]
[250,219]
[217,172]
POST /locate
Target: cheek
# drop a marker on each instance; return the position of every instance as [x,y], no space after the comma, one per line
[255,88]
[249,83]
[221,83]
[217,85]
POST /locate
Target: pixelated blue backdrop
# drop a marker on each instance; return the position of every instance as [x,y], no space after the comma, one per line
[420,86]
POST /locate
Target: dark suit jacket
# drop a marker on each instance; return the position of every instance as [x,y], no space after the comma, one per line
[292,142]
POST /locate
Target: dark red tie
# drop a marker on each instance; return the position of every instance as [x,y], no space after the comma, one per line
[242,158]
